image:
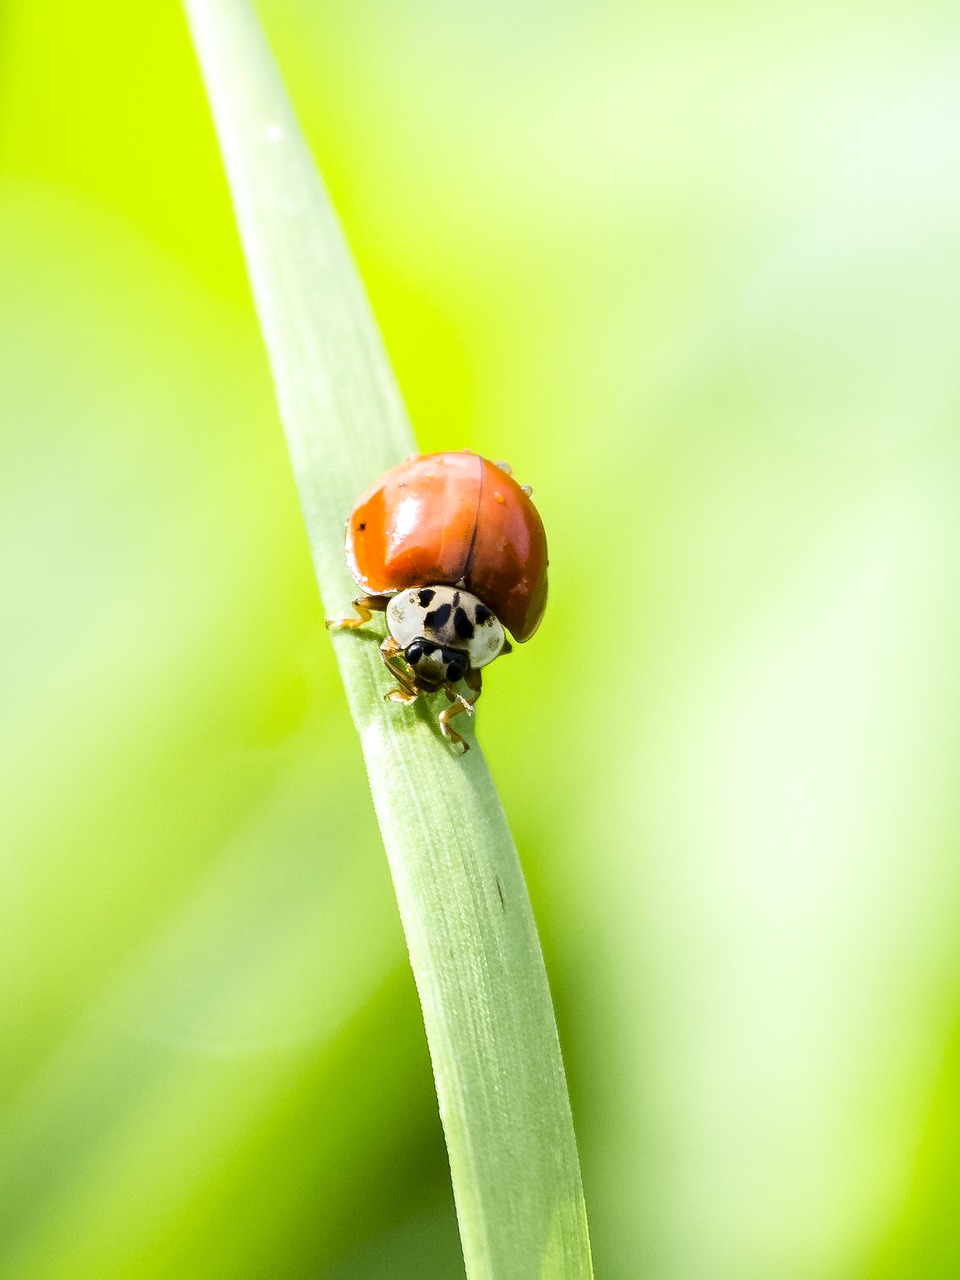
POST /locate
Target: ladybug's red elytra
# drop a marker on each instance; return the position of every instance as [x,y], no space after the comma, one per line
[453,551]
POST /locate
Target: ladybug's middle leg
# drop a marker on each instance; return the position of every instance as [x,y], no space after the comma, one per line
[474,682]
[366,607]
[396,664]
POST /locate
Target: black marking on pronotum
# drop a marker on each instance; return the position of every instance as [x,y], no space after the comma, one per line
[462,625]
[438,617]
[481,614]
[425,596]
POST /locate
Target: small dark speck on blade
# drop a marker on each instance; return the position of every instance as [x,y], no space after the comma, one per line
[503,901]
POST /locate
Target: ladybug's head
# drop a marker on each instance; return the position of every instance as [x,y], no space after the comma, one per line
[435,665]
[444,633]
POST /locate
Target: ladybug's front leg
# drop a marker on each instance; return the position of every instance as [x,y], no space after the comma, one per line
[366,607]
[396,664]
[474,682]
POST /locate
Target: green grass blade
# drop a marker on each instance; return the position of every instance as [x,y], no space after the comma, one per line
[469,928]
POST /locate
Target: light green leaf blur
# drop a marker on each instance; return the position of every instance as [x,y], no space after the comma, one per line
[694,272]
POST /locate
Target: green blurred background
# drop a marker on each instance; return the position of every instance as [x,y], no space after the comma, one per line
[695,271]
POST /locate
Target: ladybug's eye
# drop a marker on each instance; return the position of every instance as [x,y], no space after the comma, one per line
[456,664]
[414,652]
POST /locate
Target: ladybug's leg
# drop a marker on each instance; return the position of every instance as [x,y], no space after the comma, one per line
[474,682]
[366,606]
[396,664]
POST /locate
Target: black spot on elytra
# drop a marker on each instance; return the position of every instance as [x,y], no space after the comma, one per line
[437,618]
[361,526]
[425,596]
[481,613]
[462,625]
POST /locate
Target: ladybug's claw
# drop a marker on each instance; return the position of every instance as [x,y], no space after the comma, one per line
[365,607]
[401,695]
[460,704]
[452,736]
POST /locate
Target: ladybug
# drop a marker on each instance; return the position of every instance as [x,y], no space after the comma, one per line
[453,551]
